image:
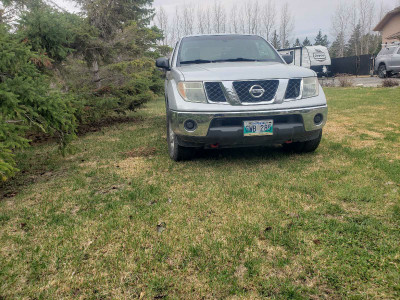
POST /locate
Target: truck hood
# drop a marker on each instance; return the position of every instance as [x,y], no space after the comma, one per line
[232,71]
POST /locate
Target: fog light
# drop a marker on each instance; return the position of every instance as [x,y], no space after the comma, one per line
[318,119]
[190,125]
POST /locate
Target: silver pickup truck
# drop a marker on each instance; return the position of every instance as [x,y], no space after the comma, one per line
[387,63]
[236,91]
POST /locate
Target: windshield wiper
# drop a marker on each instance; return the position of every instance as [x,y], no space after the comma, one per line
[236,59]
[196,61]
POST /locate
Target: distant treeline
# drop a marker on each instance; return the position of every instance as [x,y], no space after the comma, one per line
[351,23]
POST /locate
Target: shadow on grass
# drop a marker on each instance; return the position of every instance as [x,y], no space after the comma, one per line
[255,154]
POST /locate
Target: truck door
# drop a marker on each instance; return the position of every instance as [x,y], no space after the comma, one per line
[395,60]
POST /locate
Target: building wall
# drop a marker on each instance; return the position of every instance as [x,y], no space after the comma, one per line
[392,27]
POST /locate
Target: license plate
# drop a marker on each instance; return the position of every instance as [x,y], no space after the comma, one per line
[254,128]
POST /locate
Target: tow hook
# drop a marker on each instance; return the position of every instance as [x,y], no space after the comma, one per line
[214,146]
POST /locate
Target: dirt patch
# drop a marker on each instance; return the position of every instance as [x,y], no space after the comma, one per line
[132,167]
[11,188]
[141,152]
[339,129]
[97,126]
[374,134]
[357,144]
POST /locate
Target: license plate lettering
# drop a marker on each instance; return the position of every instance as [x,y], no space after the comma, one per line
[256,128]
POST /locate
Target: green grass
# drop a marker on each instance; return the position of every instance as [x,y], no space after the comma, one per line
[241,223]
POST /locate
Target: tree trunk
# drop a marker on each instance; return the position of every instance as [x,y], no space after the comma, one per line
[96,75]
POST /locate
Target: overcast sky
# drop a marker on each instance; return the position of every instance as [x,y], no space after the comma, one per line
[310,15]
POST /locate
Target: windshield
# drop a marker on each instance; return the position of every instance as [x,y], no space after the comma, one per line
[387,50]
[223,48]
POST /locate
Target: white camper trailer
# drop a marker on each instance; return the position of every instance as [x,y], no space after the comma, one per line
[313,57]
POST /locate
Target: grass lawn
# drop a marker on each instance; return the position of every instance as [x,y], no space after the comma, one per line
[117,218]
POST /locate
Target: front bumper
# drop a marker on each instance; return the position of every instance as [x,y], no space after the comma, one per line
[227,128]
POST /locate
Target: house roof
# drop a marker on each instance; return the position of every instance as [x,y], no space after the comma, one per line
[386,19]
[395,36]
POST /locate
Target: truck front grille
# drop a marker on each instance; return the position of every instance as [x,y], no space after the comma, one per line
[244,90]
[214,92]
[293,89]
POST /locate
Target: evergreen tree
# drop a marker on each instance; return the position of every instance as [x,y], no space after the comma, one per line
[48,30]
[286,44]
[108,19]
[112,37]
[306,42]
[297,43]
[353,47]
[276,41]
[376,44]
[26,101]
[321,40]
[338,46]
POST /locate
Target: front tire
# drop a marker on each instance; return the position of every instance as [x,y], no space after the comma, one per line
[382,73]
[304,147]
[176,152]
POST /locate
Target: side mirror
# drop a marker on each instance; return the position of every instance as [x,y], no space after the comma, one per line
[288,59]
[162,63]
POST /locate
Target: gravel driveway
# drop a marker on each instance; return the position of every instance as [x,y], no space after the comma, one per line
[365,81]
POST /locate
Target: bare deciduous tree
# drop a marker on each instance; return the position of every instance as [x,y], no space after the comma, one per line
[366,10]
[234,19]
[201,28]
[255,21]
[187,19]
[340,26]
[219,17]
[248,15]
[176,32]
[161,21]
[286,25]
[268,18]
[251,11]
[208,20]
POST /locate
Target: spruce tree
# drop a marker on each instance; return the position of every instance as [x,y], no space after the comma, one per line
[321,40]
[276,41]
[353,47]
[297,43]
[108,19]
[306,42]
[27,101]
[338,46]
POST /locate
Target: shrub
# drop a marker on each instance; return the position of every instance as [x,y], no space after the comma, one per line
[388,82]
[126,86]
[345,80]
[27,102]
[327,82]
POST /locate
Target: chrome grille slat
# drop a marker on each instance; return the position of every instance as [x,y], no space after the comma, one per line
[242,89]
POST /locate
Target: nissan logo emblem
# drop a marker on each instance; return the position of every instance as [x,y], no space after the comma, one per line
[256,91]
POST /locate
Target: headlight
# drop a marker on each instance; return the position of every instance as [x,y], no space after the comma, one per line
[310,87]
[192,91]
